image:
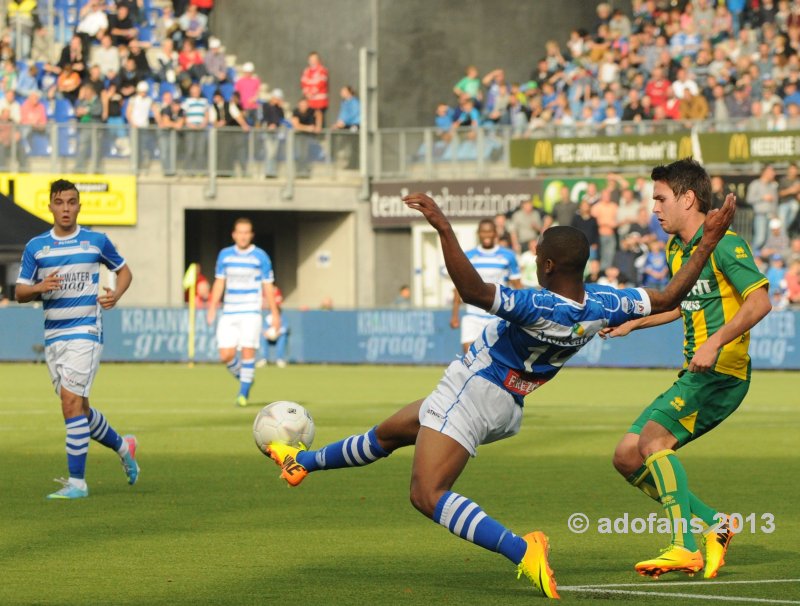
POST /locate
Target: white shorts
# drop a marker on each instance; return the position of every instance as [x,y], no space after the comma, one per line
[239,330]
[470,409]
[472,327]
[73,365]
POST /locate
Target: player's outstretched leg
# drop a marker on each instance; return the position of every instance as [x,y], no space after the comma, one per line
[682,555]
[438,461]
[124,446]
[77,447]
[234,365]
[354,451]
[247,375]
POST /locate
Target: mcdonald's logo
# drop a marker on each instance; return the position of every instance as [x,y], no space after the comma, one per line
[739,147]
[685,149]
[543,153]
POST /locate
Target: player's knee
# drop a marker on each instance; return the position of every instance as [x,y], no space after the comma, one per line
[625,460]
[424,500]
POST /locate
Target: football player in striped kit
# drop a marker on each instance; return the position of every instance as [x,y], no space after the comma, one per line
[480,397]
[62,267]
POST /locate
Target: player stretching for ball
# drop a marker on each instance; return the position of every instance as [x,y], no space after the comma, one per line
[493,263]
[244,274]
[62,266]
[479,399]
[728,300]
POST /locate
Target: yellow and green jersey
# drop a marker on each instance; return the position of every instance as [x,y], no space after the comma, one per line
[728,277]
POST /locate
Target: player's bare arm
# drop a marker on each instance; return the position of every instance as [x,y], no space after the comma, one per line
[714,228]
[639,323]
[214,298]
[455,318]
[470,286]
[25,293]
[110,298]
[752,311]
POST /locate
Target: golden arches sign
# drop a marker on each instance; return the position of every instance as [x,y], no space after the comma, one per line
[739,147]
[543,153]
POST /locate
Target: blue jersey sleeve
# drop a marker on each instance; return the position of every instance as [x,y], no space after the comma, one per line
[111,258]
[219,268]
[521,306]
[266,267]
[27,268]
[621,304]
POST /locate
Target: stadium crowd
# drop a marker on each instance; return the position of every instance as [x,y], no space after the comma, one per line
[129,64]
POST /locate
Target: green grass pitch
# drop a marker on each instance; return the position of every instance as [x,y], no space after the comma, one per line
[210,523]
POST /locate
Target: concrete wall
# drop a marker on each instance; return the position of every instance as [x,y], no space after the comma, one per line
[423,46]
[319,218]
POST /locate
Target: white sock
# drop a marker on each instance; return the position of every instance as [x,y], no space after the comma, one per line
[78,483]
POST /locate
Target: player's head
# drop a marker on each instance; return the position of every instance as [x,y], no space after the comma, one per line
[562,251]
[242,232]
[64,204]
[680,190]
[487,233]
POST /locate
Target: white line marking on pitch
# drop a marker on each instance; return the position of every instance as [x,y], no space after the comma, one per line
[691,596]
[697,584]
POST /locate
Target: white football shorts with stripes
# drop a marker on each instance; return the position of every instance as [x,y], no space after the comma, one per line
[470,409]
[239,330]
[73,364]
[472,326]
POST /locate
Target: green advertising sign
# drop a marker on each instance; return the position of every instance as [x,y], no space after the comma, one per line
[600,151]
[746,147]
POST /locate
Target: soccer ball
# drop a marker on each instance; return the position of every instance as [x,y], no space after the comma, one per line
[285,422]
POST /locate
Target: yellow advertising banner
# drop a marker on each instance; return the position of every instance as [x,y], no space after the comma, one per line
[105,199]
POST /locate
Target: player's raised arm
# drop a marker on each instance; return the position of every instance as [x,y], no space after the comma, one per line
[470,286]
[714,228]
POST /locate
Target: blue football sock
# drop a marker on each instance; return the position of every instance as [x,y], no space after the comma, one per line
[102,432]
[464,518]
[247,375]
[77,443]
[355,451]
[234,365]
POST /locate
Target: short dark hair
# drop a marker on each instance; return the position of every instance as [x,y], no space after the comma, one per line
[59,185]
[241,220]
[567,246]
[685,175]
[488,222]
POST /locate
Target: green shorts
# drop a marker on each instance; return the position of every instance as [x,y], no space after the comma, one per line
[695,404]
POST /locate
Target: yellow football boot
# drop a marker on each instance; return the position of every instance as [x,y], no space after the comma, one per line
[285,457]
[717,546]
[672,559]
[535,566]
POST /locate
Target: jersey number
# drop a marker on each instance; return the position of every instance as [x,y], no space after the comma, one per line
[553,355]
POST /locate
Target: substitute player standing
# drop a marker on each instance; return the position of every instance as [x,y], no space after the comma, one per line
[729,298]
[243,274]
[479,399]
[493,263]
[62,266]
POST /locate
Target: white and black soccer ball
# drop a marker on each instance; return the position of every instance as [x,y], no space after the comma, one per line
[285,422]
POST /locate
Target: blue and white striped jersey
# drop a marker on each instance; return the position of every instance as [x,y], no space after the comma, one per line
[496,265]
[70,312]
[538,331]
[244,272]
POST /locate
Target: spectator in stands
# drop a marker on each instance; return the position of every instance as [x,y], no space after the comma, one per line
[191,63]
[314,84]
[33,116]
[139,56]
[93,23]
[692,106]
[232,148]
[605,211]
[443,121]
[68,84]
[789,196]
[467,116]
[526,224]
[167,65]
[304,122]
[247,86]
[777,119]
[628,211]
[349,110]
[72,55]
[564,210]
[586,223]
[42,49]
[8,139]
[197,118]
[88,111]
[762,195]
[629,257]
[216,66]
[96,79]
[106,56]
[8,76]
[128,78]
[204,6]
[26,81]
[22,17]
[793,284]
[194,25]
[138,114]
[777,242]
[272,120]
[116,132]
[121,26]
[135,9]
[718,192]
[655,273]
[171,120]
[469,85]
[167,27]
